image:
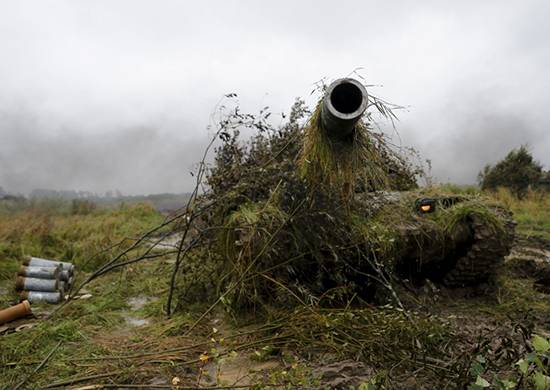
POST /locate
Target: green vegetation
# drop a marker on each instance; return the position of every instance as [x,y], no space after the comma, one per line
[95,327]
[532,212]
[97,336]
[517,171]
[438,336]
[58,230]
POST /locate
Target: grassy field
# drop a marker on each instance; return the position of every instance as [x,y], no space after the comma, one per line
[87,329]
[120,335]
[531,213]
[53,229]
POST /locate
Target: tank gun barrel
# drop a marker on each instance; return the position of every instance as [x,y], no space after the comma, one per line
[343,105]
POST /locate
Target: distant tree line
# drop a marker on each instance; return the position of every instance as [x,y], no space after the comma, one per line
[72,194]
[86,201]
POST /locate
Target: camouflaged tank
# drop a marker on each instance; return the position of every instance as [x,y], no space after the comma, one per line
[307,212]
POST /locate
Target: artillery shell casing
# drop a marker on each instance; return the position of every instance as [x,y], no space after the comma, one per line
[41,296]
[37,261]
[64,275]
[12,313]
[34,284]
[39,272]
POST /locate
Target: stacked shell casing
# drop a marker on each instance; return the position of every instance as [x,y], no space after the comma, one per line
[43,280]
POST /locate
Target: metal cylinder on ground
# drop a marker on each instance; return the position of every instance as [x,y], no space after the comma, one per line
[35,284]
[344,103]
[37,261]
[41,296]
[12,313]
[40,272]
[65,276]
[62,287]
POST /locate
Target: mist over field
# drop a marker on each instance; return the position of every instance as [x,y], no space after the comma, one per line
[107,95]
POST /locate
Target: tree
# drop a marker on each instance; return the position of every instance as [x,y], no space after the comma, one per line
[544,182]
[517,172]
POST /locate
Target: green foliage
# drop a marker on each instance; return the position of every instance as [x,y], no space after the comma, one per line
[285,241]
[282,203]
[532,369]
[517,171]
[303,158]
[453,189]
[376,336]
[82,325]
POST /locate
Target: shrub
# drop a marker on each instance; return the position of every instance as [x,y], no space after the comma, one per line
[517,171]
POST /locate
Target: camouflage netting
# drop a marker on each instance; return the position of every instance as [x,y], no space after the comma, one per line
[296,216]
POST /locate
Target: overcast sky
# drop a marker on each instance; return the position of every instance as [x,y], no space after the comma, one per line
[98,95]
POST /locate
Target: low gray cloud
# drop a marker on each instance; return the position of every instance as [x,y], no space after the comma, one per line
[138,160]
[480,129]
[117,94]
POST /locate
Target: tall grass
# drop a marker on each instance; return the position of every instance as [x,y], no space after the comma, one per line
[340,163]
[532,212]
[56,231]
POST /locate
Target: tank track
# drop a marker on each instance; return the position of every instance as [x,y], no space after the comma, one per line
[485,255]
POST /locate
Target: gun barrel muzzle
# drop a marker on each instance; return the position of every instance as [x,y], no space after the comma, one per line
[343,105]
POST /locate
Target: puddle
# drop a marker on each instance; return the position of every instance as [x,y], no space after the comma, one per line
[533,251]
[170,242]
[137,303]
[135,321]
[240,370]
[530,253]
[346,374]
[157,381]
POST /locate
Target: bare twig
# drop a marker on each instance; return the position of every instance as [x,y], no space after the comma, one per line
[81,379]
[189,221]
[179,387]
